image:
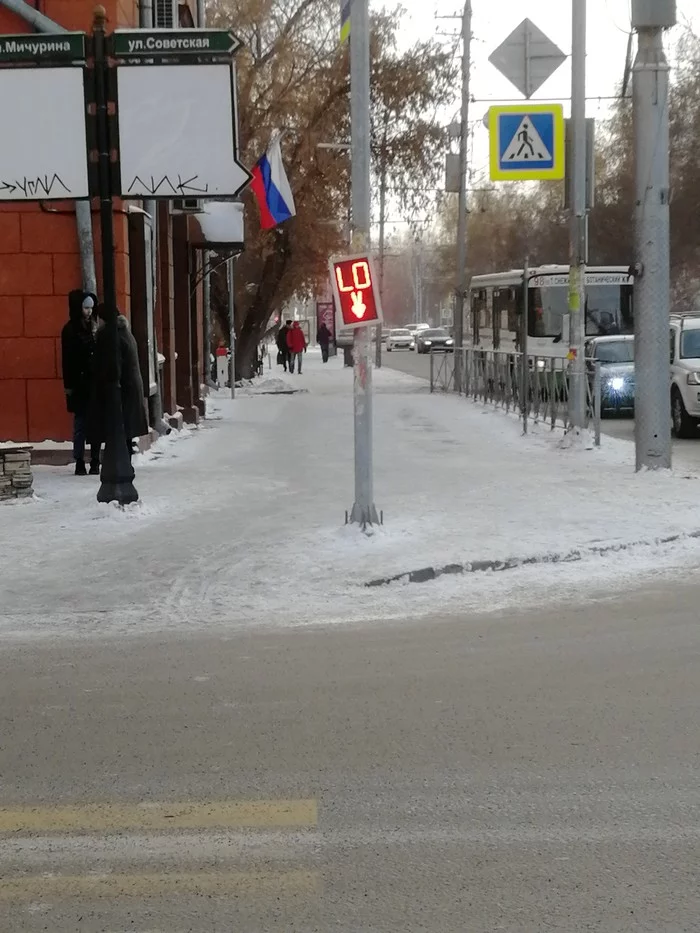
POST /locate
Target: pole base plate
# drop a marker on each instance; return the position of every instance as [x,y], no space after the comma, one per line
[123,493]
[364,516]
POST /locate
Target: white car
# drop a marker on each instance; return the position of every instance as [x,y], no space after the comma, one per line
[685,374]
[417,329]
[400,338]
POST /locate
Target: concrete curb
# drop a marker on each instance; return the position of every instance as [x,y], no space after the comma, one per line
[424,574]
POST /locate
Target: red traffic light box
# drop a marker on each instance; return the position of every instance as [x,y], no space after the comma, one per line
[356,291]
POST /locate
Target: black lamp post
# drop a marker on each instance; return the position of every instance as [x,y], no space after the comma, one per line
[117,472]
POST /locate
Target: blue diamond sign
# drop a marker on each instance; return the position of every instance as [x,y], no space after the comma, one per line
[526,142]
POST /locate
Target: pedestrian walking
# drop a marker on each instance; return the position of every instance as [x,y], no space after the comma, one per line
[78,341]
[131,383]
[296,343]
[282,348]
[323,339]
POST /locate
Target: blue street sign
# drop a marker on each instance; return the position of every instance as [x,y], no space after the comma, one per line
[526,142]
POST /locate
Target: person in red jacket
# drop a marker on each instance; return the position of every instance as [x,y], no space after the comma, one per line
[296,342]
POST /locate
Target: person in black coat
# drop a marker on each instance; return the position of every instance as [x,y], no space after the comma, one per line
[77,351]
[283,355]
[131,383]
[323,338]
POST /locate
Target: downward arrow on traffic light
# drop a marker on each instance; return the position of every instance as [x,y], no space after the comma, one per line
[358,305]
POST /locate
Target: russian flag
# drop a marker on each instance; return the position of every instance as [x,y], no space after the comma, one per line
[271,188]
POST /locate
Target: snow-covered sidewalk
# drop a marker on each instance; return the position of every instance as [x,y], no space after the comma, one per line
[241,520]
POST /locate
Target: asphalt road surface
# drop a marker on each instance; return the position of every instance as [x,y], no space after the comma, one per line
[514,772]
[687,451]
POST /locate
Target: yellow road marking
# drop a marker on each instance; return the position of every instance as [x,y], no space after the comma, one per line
[107,818]
[160,884]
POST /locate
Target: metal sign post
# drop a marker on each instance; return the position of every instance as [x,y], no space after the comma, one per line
[358,303]
[117,477]
[363,511]
[579,221]
[462,278]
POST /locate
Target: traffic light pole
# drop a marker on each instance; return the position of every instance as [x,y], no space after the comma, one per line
[363,511]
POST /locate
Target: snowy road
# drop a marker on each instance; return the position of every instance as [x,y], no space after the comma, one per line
[241,522]
[513,771]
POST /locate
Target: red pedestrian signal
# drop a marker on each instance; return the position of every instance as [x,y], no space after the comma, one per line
[357,297]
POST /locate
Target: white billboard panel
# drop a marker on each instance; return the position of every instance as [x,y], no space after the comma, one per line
[43,146]
[177,131]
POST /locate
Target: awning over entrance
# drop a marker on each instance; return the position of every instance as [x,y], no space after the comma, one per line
[219,226]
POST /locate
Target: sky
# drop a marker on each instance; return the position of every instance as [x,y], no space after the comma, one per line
[608,24]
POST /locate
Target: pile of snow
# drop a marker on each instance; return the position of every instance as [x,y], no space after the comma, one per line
[268,385]
[241,520]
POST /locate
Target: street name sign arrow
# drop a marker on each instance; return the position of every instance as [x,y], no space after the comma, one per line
[160,43]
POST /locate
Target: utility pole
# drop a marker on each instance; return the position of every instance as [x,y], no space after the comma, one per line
[578,230]
[462,202]
[382,224]
[578,241]
[652,431]
[363,511]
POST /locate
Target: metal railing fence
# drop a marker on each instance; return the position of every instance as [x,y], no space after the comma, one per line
[537,388]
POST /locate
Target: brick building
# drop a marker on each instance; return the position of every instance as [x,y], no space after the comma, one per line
[158,270]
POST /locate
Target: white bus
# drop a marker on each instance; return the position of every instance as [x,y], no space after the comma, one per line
[496,307]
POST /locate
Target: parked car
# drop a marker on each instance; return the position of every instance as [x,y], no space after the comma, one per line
[434,339]
[400,338]
[685,374]
[617,381]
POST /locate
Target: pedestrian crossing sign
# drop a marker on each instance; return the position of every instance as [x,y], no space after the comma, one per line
[526,142]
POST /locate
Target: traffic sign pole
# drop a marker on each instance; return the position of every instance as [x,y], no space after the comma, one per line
[363,511]
[579,221]
[462,201]
[117,477]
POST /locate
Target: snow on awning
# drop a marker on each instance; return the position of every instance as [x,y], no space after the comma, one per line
[218,226]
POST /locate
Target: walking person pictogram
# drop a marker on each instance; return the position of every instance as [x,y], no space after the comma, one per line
[525,141]
[526,145]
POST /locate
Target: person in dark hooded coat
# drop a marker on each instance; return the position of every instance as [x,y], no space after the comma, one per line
[132,394]
[77,351]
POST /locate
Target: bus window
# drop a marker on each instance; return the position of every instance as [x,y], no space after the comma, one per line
[547,307]
[609,310]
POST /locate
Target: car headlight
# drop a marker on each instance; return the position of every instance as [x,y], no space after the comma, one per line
[428,343]
[449,342]
[617,383]
[693,379]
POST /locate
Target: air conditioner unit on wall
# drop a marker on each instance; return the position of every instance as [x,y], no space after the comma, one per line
[166,14]
[186,206]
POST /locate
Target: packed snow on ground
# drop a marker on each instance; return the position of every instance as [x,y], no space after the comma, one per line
[241,521]
[269,385]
